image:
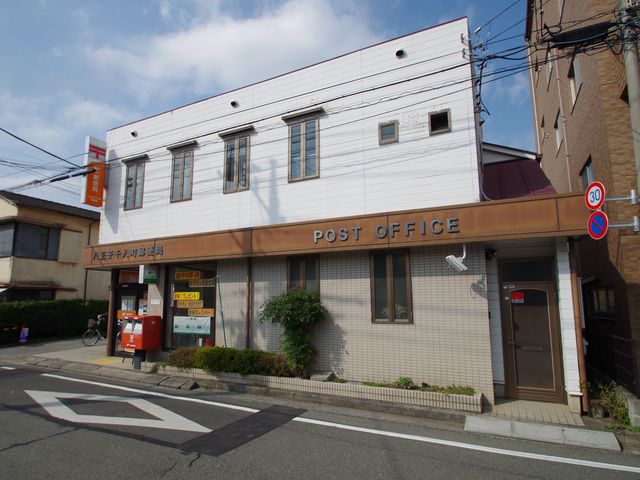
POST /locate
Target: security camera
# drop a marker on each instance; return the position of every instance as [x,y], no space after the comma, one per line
[456,263]
[234,103]
[134,133]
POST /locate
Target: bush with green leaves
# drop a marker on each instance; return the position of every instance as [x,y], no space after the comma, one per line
[404,382]
[48,318]
[613,402]
[230,360]
[296,311]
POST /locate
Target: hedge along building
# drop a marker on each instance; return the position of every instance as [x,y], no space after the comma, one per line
[354,178]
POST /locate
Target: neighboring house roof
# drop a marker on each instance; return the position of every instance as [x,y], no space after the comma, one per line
[512,173]
[25,201]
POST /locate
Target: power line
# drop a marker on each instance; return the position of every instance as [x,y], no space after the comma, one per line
[39,148]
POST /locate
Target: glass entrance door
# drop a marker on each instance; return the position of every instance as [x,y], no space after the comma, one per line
[192,304]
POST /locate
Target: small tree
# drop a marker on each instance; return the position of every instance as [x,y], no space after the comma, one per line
[296,310]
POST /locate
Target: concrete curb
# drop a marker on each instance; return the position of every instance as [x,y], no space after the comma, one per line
[577,437]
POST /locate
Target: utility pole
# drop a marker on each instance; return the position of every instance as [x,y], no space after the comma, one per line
[632,66]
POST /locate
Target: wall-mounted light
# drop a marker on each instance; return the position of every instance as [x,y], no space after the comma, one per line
[457,263]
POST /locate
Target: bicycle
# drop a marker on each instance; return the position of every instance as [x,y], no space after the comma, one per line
[93,334]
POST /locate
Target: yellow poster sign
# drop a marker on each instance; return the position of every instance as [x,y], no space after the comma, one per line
[203,282]
[190,304]
[201,312]
[186,295]
[187,275]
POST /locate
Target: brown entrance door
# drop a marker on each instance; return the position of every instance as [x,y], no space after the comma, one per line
[532,341]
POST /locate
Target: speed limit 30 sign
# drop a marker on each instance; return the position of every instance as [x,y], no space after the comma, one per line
[594,195]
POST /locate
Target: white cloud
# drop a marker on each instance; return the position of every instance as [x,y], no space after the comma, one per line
[514,89]
[221,52]
[55,121]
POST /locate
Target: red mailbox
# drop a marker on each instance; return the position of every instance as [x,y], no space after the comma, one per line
[141,332]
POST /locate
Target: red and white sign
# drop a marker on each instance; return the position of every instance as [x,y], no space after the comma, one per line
[93,183]
[595,195]
[517,297]
[598,224]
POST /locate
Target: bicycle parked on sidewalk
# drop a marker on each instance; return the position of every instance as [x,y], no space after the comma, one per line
[93,333]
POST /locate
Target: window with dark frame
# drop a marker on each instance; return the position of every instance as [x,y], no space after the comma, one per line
[557,128]
[439,122]
[575,78]
[388,132]
[303,149]
[134,183]
[390,288]
[181,174]
[602,301]
[304,273]
[586,174]
[236,164]
[29,241]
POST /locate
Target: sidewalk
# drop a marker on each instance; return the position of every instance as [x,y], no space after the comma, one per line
[516,419]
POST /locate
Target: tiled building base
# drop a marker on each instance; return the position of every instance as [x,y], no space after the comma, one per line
[466,403]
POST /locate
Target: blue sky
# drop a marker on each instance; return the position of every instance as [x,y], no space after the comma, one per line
[71,68]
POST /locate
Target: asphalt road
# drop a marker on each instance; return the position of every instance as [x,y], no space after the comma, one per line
[59,426]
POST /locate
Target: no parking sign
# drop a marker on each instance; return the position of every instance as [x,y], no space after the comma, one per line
[598,224]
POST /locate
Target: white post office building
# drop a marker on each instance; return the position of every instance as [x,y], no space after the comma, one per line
[354,178]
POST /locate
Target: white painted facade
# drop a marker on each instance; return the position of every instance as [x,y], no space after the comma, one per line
[357,176]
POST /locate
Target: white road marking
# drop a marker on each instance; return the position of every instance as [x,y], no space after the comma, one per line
[167,419]
[7,368]
[404,436]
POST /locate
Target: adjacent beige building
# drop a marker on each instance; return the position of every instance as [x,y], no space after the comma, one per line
[41,250]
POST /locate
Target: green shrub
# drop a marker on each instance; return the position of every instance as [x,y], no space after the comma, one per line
[296,310]
[48,318]
[613,402]
[230,360]
[184,358]
[450,390]
[404,382]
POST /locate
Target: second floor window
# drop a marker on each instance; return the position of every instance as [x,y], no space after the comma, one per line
[182,174]
[134,185]
[303,149]
[236,164]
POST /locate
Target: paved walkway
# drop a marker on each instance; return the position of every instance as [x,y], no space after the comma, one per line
[539,421]
[527,411]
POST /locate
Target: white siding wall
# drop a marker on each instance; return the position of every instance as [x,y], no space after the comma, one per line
[567,320]
[357,176]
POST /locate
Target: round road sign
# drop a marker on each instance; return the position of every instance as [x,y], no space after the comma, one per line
[598,224]
[594,196]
